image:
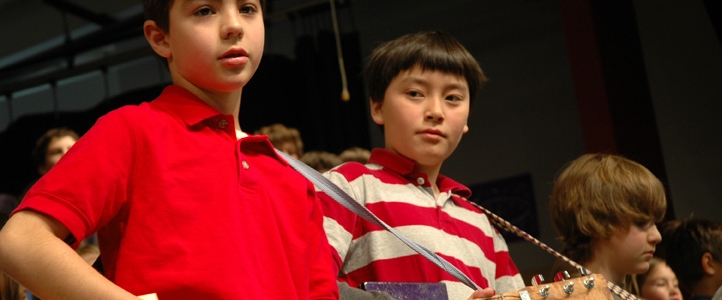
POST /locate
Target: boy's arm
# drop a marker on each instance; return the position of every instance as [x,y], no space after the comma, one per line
[339,224]
[507,274]
[32,252]
[323,281]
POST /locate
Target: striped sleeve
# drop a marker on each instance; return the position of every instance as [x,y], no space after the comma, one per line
[339,222]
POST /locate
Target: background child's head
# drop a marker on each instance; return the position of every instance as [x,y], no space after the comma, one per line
[51,146]
[597,195]
[284,138]
[658,283]
[431,50]
[356,154]
[159,11]
[321,161]
[693,249]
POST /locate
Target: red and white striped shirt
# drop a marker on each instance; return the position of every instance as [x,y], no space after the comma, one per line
[391,187]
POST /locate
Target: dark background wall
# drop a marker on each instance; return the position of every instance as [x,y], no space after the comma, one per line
[567,77]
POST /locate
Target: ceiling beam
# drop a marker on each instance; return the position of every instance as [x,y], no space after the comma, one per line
[82,12]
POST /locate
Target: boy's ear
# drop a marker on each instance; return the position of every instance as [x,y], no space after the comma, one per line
[708,264]
[156,37]
[466,128]
[376,114]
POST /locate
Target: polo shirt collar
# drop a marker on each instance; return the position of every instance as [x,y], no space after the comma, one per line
[191,109]
[407,168]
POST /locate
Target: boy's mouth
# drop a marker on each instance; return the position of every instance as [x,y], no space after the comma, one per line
[433,132]
[233,53]
[234,58]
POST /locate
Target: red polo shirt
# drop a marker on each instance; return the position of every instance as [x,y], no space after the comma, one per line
[185,210]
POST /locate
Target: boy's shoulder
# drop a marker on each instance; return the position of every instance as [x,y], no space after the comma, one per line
[351,170]
[173,101]
[126,114]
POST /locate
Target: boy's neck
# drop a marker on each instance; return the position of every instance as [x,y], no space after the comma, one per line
[601,267]
[226,103]
[707,286]
[240,134]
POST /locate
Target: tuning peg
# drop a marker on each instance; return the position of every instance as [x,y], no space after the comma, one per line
[589,283]
[537,279]
[583,271]
[544,291]
[561,276]
[569,288]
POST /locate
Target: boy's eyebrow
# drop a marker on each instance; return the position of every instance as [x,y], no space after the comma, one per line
[189,2]
[459,86]
[422,81]
[417,80]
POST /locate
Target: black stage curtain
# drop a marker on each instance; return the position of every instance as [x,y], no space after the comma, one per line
[305,93]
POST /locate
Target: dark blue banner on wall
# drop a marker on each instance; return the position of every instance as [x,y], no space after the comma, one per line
[512,199]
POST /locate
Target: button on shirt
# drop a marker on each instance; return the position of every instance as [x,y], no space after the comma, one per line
[223,123]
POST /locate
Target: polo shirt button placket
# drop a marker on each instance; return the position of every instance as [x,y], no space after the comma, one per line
[420,181]
[245,164]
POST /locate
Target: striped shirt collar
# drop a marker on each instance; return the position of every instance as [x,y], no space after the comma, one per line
[407,168]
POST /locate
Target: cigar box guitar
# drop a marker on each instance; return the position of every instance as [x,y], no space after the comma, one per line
[587,286]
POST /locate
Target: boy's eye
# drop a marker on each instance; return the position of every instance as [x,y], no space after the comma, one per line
[644,224]
[414,94]
[454,98]
[249,9]
[203,11]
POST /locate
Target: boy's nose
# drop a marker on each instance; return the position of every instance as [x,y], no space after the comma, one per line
[435,111]
[654,236]
[232,27]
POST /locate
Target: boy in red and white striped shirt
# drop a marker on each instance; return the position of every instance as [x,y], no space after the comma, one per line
[421,86]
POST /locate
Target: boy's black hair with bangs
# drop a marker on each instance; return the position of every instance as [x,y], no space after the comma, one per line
[431,50]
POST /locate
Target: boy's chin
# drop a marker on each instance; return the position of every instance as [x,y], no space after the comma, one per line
[228,87]
[641,268]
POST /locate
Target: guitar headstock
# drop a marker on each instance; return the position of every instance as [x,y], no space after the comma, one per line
[592,286]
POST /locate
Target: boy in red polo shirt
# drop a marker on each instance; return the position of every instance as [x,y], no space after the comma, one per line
[185,204]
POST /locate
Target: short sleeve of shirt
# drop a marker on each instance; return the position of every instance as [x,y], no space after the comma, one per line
[87,187]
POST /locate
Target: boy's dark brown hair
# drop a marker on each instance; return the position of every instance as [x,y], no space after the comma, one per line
[159,11]
[597,195]
[41,146]
[431,50]
[684,242]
